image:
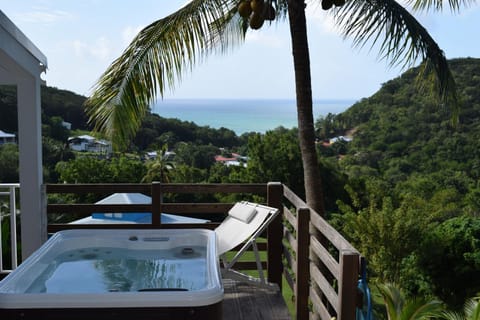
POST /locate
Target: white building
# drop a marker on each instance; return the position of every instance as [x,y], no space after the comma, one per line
[67,125]
[89,144]
[6,137]
[340,138]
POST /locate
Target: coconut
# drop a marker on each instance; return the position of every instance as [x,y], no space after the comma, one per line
[257,6]
[327,4]
[244,9]
[256,21]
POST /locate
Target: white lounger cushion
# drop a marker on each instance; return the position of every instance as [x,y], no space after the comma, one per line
[242,212]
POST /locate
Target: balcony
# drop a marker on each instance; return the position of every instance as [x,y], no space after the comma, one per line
[312,264]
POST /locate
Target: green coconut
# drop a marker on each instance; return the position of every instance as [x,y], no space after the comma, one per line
[257,6]
[256,21]
[244,9]
[327,4]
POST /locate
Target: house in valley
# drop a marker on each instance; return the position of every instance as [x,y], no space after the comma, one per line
[88,143]
[6,137]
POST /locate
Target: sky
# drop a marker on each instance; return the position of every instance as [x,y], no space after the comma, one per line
[81,38]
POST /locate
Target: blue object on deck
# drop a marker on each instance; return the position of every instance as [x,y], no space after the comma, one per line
[130,217]
[365,311]
[125,198]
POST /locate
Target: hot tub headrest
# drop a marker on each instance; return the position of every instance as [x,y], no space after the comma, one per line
[242,212]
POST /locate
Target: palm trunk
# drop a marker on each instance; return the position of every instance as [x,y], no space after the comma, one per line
[306,130]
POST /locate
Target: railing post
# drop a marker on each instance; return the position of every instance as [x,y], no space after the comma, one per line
[274,234]
[43,211]
[302,285]
[13,227]
[156,203]
[347,295]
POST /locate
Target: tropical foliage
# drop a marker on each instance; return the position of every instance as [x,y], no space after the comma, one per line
[156,59]
[398,307]
[453,248]
[160,168]
[471,311]
[413,186]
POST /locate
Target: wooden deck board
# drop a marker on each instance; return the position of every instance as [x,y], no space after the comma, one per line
[243,301]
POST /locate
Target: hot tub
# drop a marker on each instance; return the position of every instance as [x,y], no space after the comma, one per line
[117,274]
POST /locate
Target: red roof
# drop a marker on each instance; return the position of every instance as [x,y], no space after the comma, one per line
[222,158]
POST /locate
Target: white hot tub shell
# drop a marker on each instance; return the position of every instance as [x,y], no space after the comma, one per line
[103,274]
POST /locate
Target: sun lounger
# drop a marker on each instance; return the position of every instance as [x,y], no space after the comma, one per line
[245,222]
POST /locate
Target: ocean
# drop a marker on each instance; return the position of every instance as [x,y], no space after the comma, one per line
[242,115]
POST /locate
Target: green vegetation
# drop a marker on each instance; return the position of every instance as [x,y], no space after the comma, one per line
[413,180]
[405,191]
[395,305]
[398,307]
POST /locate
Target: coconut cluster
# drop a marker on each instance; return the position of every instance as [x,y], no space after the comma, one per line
[257,11]
[328,4]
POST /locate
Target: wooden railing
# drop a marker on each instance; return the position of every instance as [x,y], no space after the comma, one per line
[320,266]
[157,192]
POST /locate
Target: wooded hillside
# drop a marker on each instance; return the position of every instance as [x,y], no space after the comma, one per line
[413,180]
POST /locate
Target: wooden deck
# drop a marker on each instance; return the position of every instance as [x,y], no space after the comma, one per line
[243,301]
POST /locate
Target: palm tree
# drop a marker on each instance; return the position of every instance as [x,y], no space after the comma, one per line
[471,311]
[160,168]
[399,308]
[158,56]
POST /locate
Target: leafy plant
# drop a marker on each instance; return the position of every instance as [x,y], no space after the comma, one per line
[451,259]
[397,307]
[471,311]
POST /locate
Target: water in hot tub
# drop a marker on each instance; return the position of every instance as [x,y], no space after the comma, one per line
[94,270]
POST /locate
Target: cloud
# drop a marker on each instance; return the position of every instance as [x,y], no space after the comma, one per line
[268,36]
[266,40]
[99,50]
[320,19]
[42,15]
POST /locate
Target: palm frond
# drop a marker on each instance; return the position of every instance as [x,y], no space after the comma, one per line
[156,60]
[402,39]
[452,315]
[472,309]
[419,309]
[399,308]
[393,300]
[438,5]
[281,7]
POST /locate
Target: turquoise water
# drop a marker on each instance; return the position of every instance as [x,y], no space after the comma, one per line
[98,270]
[243,115]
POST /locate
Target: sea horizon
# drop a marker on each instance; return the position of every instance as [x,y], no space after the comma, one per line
[244,115]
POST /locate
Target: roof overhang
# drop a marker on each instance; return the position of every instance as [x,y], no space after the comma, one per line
[18,55]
